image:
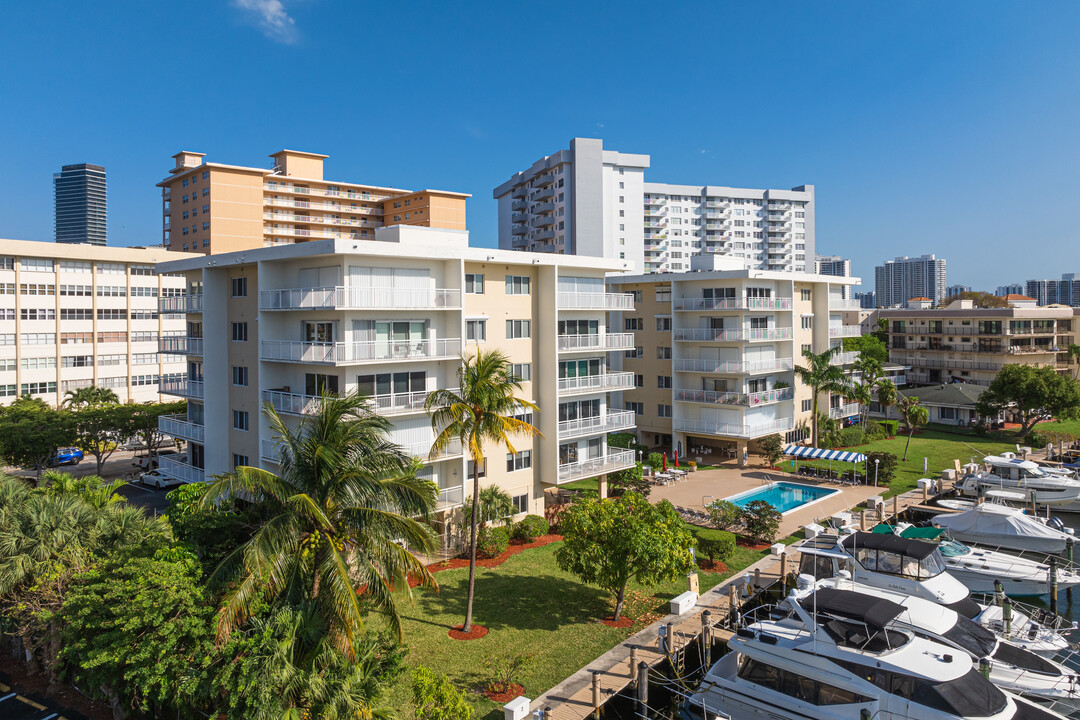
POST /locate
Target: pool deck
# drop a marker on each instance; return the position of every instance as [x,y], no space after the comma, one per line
[700,488]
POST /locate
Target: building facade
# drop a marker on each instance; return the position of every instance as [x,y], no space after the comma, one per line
[80,204]
[714,353]
[391,318]
[1065,291]
[590,201]
[833,265]
[215,208]
[1014,289]
[866,300]
[961,343]
[899,280]
[81,315]
[954,290]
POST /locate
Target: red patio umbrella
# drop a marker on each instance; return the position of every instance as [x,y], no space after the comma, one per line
[676,459]
[665,462]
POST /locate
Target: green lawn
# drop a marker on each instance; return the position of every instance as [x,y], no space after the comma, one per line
[939,447]
[530,606]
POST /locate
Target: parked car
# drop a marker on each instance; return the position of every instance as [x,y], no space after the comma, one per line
[155,479]
[66,456]
[145,463]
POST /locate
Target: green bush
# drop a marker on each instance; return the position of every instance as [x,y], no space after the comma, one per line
[723,514]
[491,542]
[1035,440]
[629,480]
[436,698]
[714,544]
[622,440]
[530,527]
[656,461]
[886,469]
[771,449]
[761,521]
[875,431]
[891,427]
[852,436]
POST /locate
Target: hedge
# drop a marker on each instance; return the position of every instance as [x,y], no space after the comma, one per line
[530,527]
[492,542]
[714,544]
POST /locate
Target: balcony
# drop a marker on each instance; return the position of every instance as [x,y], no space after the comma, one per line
[599,341]
[518,205]
[542,195]
[748,303]
[612,462]
[520,217]
[714,367]
[542,221]
[843,411]
[422,450]
[711,397]
[843,358]
[898,380]
[734,430]
[548,207]
[842,304]
[518,192]
[169,466]
[182,304]
[388,404]
[732,335]
[843,331]
[179,426]
[596,383]
[595,301]
[450,497]
[358,352]
[360,298]
[519,229]
[544,235]
[612,421]
[181,386]
[180,345]
[283,187]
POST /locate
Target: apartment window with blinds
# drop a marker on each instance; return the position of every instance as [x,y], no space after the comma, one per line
[471,465]
[239,332]
[38,363]
[240,420]
[111,360]
[239,287]
[637,407]
[518,461]
[663,353]
[663,411]
[110,268]
[663,324]
[36,264]
[474,283]
[37,314]
[476,330]
[522,371]
[37,338]
[74,266]
[143,291]
[111,291]
[517,285]
[663,294]
[74,361]
[517,329]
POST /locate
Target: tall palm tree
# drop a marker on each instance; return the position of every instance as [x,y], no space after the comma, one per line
[913,415]
[89,396]
[345,496]
[482,410]
[822,376]
[886,395]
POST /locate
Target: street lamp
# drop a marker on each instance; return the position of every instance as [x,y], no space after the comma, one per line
[877,461]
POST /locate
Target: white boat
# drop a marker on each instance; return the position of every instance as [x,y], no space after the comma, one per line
[1002,527]
[1011,667]
[1042,485]
[811,665]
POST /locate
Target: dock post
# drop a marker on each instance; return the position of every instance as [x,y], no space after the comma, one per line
[999,592]
[757,578]
[1069,560]
[643,685]
[895,508]
[1006,615]
[671,648]
[633,662]
[862,521]
[926,492]
[783,573]
[596,692]
[1053,584]
[732,608]
[706,638]
[984,668]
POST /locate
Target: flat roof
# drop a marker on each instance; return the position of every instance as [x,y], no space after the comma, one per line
[85,251]
[739,274]
[298,152]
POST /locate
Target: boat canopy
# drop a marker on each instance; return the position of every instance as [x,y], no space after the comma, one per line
[876,613]
[915,549]
[989,522]
[813,453]
[922,533]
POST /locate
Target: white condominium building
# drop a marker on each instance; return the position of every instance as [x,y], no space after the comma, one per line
[391,318]
[836,266]
[590,201]
[75,315]
[897,281]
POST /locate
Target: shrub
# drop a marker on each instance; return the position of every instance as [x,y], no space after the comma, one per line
[436,698]
[886,469]
[506,671]
[1035,440]
[491,542]
[875,431]
[622,440]
[656,461]
[771,449]
[714,544]
[723,515]
[891,427]
[629,480]
[761,521]
[852,436]
[530,527]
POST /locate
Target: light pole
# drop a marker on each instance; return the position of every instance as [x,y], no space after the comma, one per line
[877,461]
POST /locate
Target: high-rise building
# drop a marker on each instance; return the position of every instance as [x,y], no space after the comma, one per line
[80,204]
[81,315]
[867,300]
[214,208]
[837,267]
[899,280]
[390,317]
[1014,289]
[954,290]
[1065,291]
[590,201]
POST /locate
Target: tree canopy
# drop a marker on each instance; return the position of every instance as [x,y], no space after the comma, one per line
[31,432]
[869,345]
[981,299]
[1033,393]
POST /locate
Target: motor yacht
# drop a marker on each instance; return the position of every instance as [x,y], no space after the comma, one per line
[1044,486]
[999,526]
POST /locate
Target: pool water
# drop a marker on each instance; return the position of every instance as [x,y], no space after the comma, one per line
[784,496]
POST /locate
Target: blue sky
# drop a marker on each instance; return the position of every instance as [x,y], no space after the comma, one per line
[925,126]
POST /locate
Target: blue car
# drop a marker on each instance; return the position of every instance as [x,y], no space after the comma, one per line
[67,456]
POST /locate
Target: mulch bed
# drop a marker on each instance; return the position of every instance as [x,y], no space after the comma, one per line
[74,704]
[623,622]
[478,631]
[715,566]
[516,546]
[744,542]
[513,691]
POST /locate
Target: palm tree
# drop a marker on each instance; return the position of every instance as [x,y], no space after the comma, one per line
[886,395]
[332,521]
[89,396]
[482,410]
[1073,354]
[822,376]
[913,415]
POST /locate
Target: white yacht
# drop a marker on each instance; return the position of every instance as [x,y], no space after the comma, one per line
[813,664]
[1045,486]
[999,526]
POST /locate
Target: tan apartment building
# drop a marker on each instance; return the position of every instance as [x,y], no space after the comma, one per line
[714,352]
[80,315]
[215,208]
[391,318]
[963,343]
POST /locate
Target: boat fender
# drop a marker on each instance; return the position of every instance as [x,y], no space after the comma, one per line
[947,658]
[745,633]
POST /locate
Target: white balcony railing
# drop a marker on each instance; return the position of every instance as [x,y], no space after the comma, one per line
[842,331]
[766,397]
[170,467]
[701,427]
[596,341]
[746,367]
[612,421]
[358,352]
[737,303]
[182,304]
[348,297]
[843,411]
[731,335]
[422,450]
[389,404]
[595,301]
[180,345]
[842,304]
[612,462]
[451,497]
[179,426]
[181,386]
[596,383]
[843,358]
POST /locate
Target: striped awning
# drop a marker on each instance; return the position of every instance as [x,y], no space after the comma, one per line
[813,453]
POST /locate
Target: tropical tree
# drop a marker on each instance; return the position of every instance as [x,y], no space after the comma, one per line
[886,395]
[823,377]
[913,414]
[483,410]
[881,331]
[1033,392]
[91,488]
[91,395]
[330,522]
[495,505]
[867,346]
[31,433]
[143,423]
[101,427]
[1074,357]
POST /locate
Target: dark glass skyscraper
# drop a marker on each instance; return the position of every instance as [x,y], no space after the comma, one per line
[80,204]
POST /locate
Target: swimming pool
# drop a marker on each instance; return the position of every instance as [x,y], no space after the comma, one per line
[784,496]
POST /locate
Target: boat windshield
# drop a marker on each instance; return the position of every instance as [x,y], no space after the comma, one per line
[1036,472]
[970,695]
[952,548]
[897,564]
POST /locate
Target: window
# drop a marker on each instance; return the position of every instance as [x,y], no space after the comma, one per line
[476,330]
[663,294]
[7,263]
[110,268]
[36,289]
[637,295]
[630,324]
[663,411]
[144,315]
[805,294]
[240,420]
[111,314]
[634,354]
[37,314]
[8,390]
[517,329]
[240,375]
[807,322]
[112,360]
[37,338]
[8,364]
[471,467]
[522,371]
[518,461]
[74,266]
[7,288]
[111,291]
[663,382]
[639,380]
[806,348]
[239,287]
[7,338]
[143,291]
[517,285]
[474,284]
[239,461]
[521,503]
[663,324]
[40,363]
[144,359]
[144,270]
[807,405]
[663,353]
[239,332]
[143,336]
[37,388]
[637,407]
[70,338]
[36,264]
[7,313]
